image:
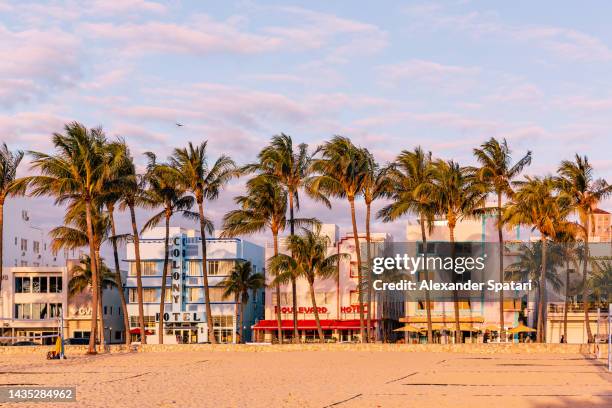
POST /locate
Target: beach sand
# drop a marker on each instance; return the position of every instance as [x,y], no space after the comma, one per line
[316,379]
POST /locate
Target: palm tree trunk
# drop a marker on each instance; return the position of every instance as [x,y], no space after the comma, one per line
[427,297]
[296,333]
[369,262]
[162,299]
[94,280]
[541,304]
[455,294]
[316,312]
[500,237]
[241,320]
[209,317]
[126,320]
[567,281]
[585,290]
[101,331]
[236,312]
[135,236]
[1,246]
[279,320]
[359,277]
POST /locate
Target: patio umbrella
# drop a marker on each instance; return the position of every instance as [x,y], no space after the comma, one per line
[137,331]
[408,328]
[521,328]
[491,327]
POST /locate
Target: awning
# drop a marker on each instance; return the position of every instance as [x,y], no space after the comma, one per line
[521,328]
[326,324]
[137,331]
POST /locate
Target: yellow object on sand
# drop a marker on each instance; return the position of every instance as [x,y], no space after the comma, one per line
[58,345]
[408,328]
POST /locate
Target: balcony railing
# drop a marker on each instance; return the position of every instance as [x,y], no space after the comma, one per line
[577,307]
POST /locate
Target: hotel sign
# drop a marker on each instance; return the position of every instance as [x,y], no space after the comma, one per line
[182,317]
[176,270]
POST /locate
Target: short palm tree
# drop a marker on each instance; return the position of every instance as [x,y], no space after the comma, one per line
[196,176]
[75,172]
[310,260]
[341,171]
[376,185]
[129,187]
[528,267]
[409,176]
[164,190]
[81,277]
[576,181]
[497,172]
[10,185]
[601,278]
[457,195]
[238,284]
[290,167]
[537,204]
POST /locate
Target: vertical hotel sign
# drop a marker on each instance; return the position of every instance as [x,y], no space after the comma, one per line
[176,253]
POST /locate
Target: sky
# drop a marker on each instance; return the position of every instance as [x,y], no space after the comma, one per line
[389,75]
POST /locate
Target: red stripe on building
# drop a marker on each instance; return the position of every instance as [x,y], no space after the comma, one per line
[309,324]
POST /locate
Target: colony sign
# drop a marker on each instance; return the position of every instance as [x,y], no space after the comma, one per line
[175,253]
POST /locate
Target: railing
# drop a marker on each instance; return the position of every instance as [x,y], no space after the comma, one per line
[577,307]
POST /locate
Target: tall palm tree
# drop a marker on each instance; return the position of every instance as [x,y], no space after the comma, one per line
[205,183]
[571,250]
[497,171]
[10,185]
[577,181]
[163,190]
[75,172]
[376,185]
[309,260]
[291,168]
[457,196]
[129,187]
[528,267]
[238,284]
[410,174]
[341,171]
[537,204]
[264,206]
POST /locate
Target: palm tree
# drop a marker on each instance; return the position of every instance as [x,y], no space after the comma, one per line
[528,267]
[577,181]
[410,175]
[73,234]
[457,196]
[538,204]
[291,168]
[129,187]
[205,183]
[163,190]
[10,185]
[264,206]
[75,173]
[571,252]
[601,278]
[376,185]
[81,277]
[309,260]
[497,171]
[238,284]
[341,171]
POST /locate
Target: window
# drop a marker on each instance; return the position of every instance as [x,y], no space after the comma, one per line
[322,297]
[22,285]
[195,294]
[149,295]
[24,244]
[220,267]
[148,268]
[81,334]
[354,297]
[223,321]
[24,263]
[194,268]
[55,284]
[39,311]
[105,310]
[36,247]
[216,294]
[15,240]
[118,335]
[55,309]
[354,270]
[23,311]
[149,321]
[39,284]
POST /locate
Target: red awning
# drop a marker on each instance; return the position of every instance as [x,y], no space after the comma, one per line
[137,331]
[309,324]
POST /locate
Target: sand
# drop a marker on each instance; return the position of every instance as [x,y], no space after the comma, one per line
[317,379]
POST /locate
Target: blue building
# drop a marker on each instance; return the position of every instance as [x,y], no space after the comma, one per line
[185,319]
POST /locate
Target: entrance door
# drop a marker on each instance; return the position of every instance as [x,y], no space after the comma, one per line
[186,336]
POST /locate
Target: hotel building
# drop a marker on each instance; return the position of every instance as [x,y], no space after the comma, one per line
[337,300]
[475,315]
[35,286]
[185,319]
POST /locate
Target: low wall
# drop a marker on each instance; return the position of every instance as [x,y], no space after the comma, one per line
[479,348]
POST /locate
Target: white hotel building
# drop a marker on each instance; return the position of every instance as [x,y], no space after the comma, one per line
[185,317]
